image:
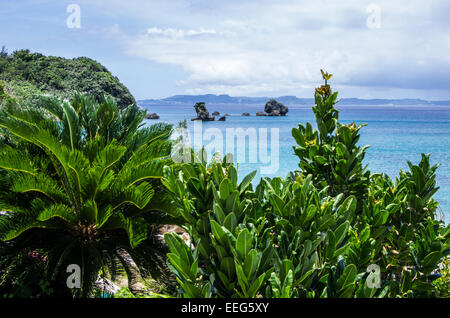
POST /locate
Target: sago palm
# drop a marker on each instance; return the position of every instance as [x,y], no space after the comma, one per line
[80,184]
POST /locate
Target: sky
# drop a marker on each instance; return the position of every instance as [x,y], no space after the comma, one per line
[375,49]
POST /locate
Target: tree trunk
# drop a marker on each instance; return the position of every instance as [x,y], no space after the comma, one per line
[133,274]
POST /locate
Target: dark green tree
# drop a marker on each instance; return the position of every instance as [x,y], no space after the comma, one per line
[80,184]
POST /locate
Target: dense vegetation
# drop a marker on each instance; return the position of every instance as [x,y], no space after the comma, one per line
[83,183]
[79,184]
[29,75]
[326,230]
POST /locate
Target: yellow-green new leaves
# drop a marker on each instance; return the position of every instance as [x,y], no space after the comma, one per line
[325,75]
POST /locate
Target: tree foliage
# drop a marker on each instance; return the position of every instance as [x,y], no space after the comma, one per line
[30,75]
[80,184]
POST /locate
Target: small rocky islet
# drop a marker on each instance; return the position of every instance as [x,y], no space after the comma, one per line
[203,113]
[272,108]
[152,116]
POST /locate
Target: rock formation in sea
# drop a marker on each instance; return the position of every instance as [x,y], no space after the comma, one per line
[202,112]
[274,113]
[223,118]
[260,113]
[274,108]
[245,114]
[152,116]
[216,113]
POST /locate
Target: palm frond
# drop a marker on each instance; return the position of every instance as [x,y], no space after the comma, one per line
[42,184]
[60,211]
[77,181]
[13,159]
[14,224]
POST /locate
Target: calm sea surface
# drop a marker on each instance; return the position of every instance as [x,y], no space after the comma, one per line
[395,134]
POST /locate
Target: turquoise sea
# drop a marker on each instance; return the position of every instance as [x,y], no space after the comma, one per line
[395,134]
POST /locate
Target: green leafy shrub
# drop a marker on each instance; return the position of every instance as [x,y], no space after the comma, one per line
[320,232]
[241,248]
[80,184]
[330,154]
[228,257]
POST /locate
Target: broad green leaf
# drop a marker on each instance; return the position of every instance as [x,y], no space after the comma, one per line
[244,243]
[348,276]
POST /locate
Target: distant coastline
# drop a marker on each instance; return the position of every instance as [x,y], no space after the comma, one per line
[287,100]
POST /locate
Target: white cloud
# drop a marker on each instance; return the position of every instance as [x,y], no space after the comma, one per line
[178,33]
[271,47]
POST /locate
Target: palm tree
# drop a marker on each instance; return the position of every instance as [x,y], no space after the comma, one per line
[80,184]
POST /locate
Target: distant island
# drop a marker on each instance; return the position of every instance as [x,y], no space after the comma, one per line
[287,100]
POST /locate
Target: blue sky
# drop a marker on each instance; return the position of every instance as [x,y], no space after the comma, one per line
[375,49]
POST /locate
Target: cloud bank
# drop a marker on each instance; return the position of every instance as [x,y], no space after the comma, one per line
[278,47]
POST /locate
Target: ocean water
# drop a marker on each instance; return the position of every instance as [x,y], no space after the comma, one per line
[395,134]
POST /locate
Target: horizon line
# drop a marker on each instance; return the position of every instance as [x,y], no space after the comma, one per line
[291,96]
